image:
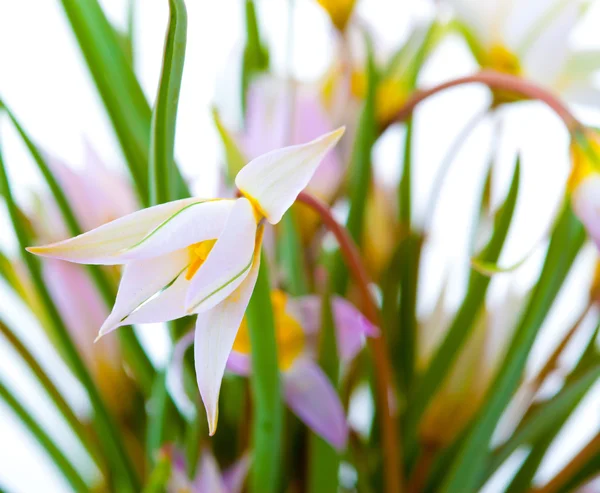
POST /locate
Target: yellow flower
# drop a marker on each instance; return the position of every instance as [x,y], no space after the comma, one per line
[339,11]
[391,94]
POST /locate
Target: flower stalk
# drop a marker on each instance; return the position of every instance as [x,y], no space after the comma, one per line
[498,81]
[389,426]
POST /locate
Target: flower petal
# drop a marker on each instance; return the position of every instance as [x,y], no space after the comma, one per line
[175,376]
[208,478]
[144,234]
[239,363]
[274,180]
[229,261]
[586,204]
[215,332]
[554,39]
[142,280]
[351,325]
[311,396]
[235,476]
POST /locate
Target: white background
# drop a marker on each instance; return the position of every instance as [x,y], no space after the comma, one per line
[44,80]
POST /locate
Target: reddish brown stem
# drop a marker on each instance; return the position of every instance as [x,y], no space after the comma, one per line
[572,468]
[498,81]
[383,379]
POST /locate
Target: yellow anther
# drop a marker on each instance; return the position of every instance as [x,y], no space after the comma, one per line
[198,253]
[288,333]
[501,59]
[339,11]
[391,94]
[583,164]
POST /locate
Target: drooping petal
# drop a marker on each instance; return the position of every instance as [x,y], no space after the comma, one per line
[274,180]
[175,376]
[142,280]
[208,479]
[351,325]
[311,396]
[235,476]
[143,234]
[228,263]
[215,332]
[586,204]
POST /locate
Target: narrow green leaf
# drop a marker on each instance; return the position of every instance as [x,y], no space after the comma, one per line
[360,169]
[539,445]
[160,475]
[58,458]
[234,157]
[324,461]
[468,467]
[157,412]
[48,385]
[118,87]
[164,115]
[116,83]
[265,386]
[464,321]
[291,253]
[135,354]
[544,418]
[113,447]
[256,56]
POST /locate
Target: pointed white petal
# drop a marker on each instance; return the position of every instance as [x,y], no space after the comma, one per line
[175,376]
[311,396]
[274,180]
[538,64]
[143,234]
[142,280]
[215,332]
[208,478]
[168,305]
[229,261]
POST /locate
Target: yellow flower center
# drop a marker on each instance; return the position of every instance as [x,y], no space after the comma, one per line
[288,333]
[391,94]
[339,11]
[583,162]
[501,59]
[198,253]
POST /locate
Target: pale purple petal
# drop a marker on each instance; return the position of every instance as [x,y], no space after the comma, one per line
[208,479]
[268,128]
[352,327]
[239,363]
[235,476]
[311,396]
[175,376]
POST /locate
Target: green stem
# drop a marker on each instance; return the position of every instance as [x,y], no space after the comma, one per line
[324,461]
[265,385]
[54,395]
[72,476]
[108,434]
